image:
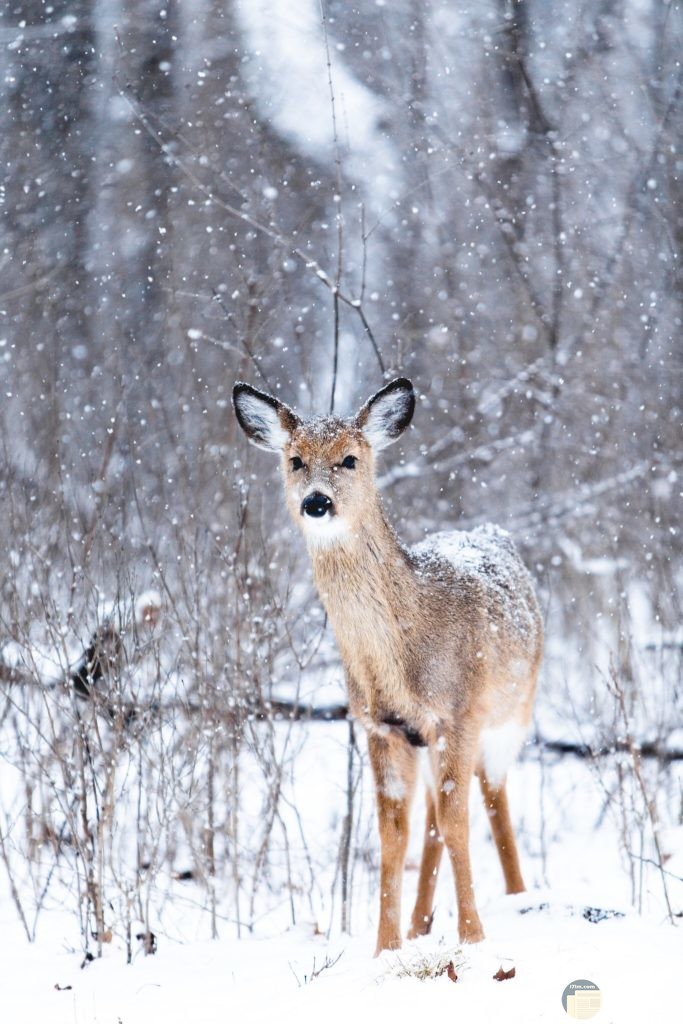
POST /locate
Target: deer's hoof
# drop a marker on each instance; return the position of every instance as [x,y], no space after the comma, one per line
[471,931]
[391,943]
[420,926]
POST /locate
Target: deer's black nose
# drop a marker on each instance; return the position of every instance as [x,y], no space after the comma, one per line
[316,505]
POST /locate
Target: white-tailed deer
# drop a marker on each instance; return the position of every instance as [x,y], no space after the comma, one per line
[441,642]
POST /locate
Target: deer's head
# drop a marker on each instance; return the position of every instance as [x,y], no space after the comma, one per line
[327,463]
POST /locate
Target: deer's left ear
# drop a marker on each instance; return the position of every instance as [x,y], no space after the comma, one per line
[267,422]
[386,415]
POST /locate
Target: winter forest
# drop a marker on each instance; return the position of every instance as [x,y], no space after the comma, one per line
[317,197]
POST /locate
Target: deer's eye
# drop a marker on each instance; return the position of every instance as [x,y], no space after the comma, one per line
[349,462]
[296,463]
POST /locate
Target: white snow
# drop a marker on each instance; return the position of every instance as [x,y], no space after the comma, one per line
[570,857]
[264,980]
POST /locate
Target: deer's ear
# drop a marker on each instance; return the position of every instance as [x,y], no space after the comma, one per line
[386,415]
[266,422]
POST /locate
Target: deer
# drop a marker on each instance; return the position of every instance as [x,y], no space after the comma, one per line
[441,644]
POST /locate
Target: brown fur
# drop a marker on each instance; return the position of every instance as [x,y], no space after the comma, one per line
[425,642]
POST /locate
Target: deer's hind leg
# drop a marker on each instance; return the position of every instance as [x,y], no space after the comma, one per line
[496,803]
[421,920]
[394,765]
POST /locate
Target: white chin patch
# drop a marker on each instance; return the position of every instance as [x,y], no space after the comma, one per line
[324,532]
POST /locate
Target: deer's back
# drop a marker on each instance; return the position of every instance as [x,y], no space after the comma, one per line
[486,616]
[482,565]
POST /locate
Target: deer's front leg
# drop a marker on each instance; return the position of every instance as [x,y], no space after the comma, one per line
[394,765]
[455,767]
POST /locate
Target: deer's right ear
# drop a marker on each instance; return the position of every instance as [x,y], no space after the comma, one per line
[266,422]
[386,415]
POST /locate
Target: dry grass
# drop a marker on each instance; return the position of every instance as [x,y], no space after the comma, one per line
[428,965]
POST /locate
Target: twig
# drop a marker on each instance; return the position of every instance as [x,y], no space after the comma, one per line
[345,851]
[654,864]
[339,216]
[146,118]
[14,892]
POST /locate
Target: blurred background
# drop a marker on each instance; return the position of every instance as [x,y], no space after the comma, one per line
[484,197]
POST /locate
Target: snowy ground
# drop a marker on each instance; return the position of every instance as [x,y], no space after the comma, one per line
[633,961]
[572,861]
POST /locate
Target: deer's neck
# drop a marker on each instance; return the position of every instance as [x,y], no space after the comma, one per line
[371,595]
[371,557]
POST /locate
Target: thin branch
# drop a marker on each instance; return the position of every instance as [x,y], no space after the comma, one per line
[335,357]
[339,216]
[146,119]
[587,752]
[218,299]
[608,276]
